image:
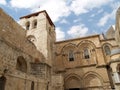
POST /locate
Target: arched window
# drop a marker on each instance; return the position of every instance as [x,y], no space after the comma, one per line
[27,25]
[107,50]
[35,24]
[32,85]
[71,55]
[86,53]
[21,64]
[2,83]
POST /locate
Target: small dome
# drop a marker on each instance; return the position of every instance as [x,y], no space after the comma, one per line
[115,51]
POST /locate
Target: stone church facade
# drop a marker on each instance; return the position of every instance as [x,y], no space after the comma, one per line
[32,59]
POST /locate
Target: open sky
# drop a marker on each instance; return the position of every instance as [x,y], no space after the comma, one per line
[72,18]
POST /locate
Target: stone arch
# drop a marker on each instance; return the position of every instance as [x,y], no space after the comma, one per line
[92,80]
[2,82]
[91,52]
[21,64]
[71,45]
[73,81]
[68,53]
[90,43]
[86,44]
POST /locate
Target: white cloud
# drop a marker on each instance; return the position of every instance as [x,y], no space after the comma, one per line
[56,9]
[25,3]
[77,20]
[60,35]
[3,2]
[64,21]
[83,6]
[78,31]
[109,16]
[100,11]
[104,20]
[92,15]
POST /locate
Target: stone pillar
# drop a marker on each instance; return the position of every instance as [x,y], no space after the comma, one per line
[57,82]
[116,77]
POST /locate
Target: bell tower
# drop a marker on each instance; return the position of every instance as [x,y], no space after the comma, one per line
[40,31]
[117,26]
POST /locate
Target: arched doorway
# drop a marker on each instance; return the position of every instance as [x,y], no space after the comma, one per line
[21,64]
[32,85]
[92,82]
[73,82]
[2,83]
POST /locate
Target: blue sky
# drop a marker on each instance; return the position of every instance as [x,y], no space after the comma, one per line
[72,18]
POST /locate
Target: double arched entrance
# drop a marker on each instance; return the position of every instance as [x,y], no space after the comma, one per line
[88,82]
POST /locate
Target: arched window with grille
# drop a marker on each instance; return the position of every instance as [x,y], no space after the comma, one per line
[86,53]
[71,55]
[21,64]
[107,50]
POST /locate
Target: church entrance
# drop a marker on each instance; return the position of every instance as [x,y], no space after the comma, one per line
[73,82]
[2,83]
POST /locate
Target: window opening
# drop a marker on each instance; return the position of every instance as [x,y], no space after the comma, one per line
[71,55]
[107,50]
[86,53]
[28,26]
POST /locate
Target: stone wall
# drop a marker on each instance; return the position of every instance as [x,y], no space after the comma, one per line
[17,52]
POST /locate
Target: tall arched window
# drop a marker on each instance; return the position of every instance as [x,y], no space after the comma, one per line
[27,25]
[86,53]
[32,85]
[107,50]
[71,55]
[21,64]
[2,83]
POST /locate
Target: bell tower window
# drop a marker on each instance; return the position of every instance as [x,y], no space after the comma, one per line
[35,24]
[27,25]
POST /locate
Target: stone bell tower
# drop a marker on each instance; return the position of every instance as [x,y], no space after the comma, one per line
[117,26]
[40,31]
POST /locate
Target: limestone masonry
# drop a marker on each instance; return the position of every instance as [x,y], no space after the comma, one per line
[32,59]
